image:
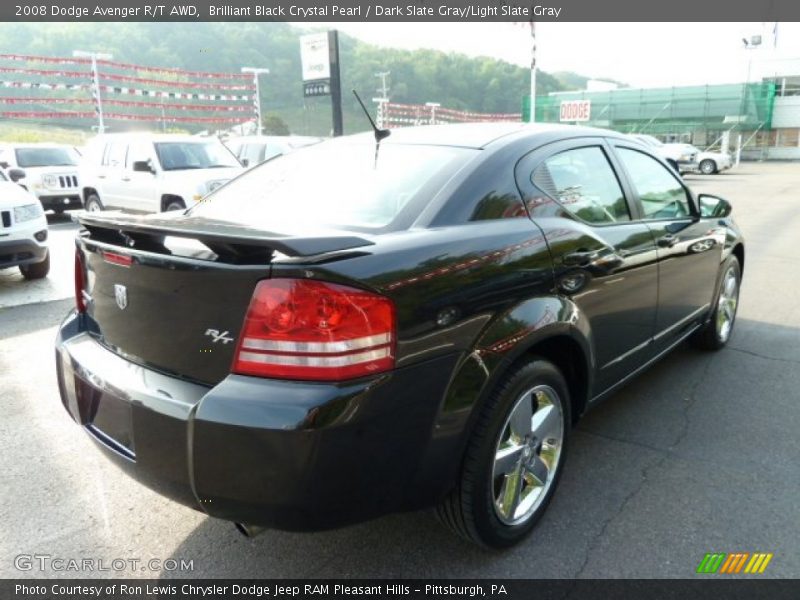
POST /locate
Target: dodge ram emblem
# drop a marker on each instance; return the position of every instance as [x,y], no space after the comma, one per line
[121,294]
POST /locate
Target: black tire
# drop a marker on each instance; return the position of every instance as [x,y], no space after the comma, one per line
[174,205]
[470,509]
[711,336]
[36,270]
[707,166]
[93,203]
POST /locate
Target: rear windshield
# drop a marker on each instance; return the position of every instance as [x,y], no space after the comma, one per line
[46,157]
[179,156]
[336,184]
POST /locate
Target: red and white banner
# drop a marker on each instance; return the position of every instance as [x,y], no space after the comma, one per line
[124,66]
[395,114]
[31,114]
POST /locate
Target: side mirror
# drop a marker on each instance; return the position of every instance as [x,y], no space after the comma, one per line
[16,174]
[143,166]
[712,206]
[3,164]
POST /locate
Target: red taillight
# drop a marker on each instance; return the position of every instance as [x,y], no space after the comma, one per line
[303,329]
[122,260]
[80,283]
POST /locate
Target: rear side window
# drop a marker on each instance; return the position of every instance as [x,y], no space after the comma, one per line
[583,182]
[336,183]
[662,196]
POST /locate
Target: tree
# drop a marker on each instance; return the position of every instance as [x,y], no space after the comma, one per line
[274,125]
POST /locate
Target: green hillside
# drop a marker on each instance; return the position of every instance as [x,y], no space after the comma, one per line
[453,80]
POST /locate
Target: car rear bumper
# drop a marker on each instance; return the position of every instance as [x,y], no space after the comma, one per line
[289,455]
[21,252]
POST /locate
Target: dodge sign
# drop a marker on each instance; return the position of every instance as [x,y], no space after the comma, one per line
[575,110]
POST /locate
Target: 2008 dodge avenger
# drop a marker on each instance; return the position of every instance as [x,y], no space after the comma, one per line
[362,327]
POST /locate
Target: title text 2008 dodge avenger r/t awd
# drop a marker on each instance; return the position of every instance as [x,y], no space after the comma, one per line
[348,331]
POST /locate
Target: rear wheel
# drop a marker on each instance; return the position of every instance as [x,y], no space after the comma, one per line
[513,460]
[708,167]
[93,203]
[37,270]
[716,333]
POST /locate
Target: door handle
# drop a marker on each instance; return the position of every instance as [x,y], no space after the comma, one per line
[126,179]
[667,241]
[579,258]
[101,176]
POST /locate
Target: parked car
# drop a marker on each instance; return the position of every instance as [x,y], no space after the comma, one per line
[255,149]
[23,231]
[709,163]
[49,171]
[374,331]
[141,172]
[681,157]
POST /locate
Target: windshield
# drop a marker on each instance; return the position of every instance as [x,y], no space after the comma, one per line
[178,156]
[336,183]
[46,157]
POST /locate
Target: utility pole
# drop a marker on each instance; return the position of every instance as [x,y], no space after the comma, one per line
[383,99]
[433,106]
[533,72]
[336,83]
[257,102]
[98,102]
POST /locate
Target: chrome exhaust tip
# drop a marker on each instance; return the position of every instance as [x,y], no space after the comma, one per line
[249,531]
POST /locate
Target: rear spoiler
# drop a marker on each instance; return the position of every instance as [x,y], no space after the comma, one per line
[148,233]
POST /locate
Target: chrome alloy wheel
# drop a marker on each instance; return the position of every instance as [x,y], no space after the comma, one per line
[726,305]
[527,454]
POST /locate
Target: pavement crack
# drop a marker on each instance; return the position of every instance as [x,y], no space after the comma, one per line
[621,440]
[764,356]
[689,402]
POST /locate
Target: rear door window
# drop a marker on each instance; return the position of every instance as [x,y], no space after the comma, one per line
[583,182]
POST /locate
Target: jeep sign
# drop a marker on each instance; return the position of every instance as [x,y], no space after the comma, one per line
[314,56]
[575,110]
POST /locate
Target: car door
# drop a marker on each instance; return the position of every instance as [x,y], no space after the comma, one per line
[603,260]
[110,173]
[689,248]
[141,186]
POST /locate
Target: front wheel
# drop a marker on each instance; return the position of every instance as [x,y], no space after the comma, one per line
[93,203]
[716,333]
[708,167]
[175,205]
[37,270]
[513,460]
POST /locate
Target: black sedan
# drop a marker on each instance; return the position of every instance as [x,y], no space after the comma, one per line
[354,330]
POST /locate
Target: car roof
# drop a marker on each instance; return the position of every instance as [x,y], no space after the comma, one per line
[156,137]
[482,135]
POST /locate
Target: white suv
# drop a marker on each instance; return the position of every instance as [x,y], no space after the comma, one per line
[49,171]
[23,231]
[144,172]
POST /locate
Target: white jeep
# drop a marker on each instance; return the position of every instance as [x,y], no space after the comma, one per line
[142,172]
[48,171]
[23,231]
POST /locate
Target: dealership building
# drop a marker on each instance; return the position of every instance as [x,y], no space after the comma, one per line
[760,118]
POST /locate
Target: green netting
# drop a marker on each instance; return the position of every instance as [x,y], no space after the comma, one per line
[664,110]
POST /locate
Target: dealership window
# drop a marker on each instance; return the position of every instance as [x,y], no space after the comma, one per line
[583,182]
[661,195]
[788,138]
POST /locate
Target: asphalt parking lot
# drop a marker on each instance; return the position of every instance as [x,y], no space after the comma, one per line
[697,455]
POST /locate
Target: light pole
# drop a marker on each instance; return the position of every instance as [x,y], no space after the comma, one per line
[98,102]
[433,106]
[256,72]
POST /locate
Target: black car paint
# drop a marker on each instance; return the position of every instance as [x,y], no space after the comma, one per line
[471,297]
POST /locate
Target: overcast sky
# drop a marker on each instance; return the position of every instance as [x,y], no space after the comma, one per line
[640,54]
